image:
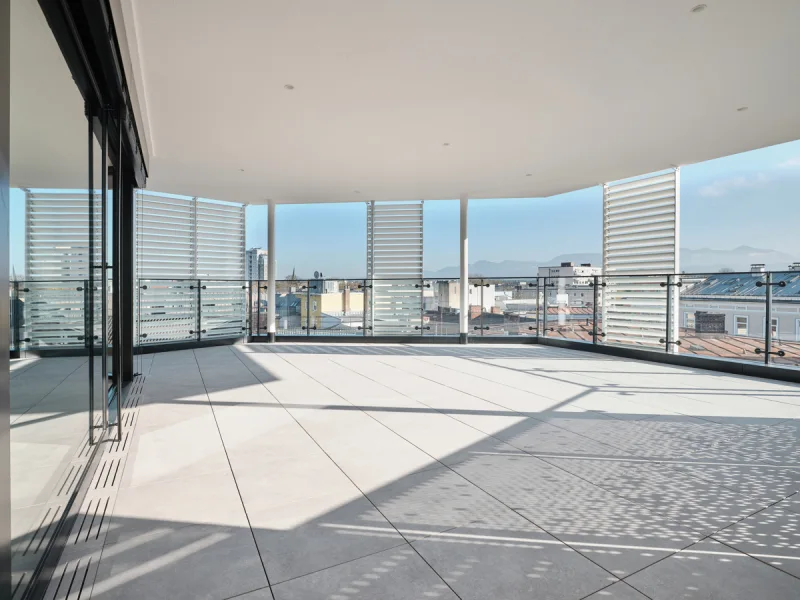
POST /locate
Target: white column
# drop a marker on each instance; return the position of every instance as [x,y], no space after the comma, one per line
[271,268]
[463,321]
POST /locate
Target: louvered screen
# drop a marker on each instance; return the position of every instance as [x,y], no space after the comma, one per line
[57,261]
[640,240]
[394,264]
[57,235]
[192,243]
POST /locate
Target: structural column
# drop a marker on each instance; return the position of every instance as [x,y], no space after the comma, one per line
[271,268]
[463,288]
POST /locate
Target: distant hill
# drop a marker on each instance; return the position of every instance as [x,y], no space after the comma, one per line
[704,260]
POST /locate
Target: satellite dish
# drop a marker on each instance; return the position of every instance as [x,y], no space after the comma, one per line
[316,274]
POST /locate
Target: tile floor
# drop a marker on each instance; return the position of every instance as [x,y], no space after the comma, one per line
[344,472]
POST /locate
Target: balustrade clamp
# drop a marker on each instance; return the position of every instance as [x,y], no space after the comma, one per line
[475,328]
[676,284]
[368,327]
[417,327]
[775,283]
[663,341]
[144,287]
[418,285]
[601,284]
[80,289]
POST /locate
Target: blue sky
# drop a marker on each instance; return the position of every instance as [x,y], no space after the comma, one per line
[748,199]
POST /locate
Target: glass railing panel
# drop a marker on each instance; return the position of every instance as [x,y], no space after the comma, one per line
[477,309]
[517,301]
[395,306]
[568,308]
[337,307]
[290,300]
[634,311]
[440,307]
[52,314]
[167,311]
[721,315]
[222,309]
[257,298]
[786,319]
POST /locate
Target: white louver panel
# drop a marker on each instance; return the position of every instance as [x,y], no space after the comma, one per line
[394,264]
[196,248]
[57,235]
[641,244]
[57,260]
[188,238]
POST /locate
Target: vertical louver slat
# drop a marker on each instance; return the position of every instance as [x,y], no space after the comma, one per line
[640,241]
[394,264]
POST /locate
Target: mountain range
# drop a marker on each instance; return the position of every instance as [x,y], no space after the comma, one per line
[704,260]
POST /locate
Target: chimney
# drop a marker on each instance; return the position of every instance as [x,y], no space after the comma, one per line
[758,268]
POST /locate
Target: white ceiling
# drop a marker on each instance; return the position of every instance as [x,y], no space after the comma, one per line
[572,92]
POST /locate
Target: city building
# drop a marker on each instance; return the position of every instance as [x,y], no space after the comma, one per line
[256,264]
[739,302]
[570,285]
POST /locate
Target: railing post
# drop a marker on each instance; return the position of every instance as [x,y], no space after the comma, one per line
[596,294]
[768,320]
[258,307]
[199,311]
[15,318]
[308,308]
[668,336]
[544,308]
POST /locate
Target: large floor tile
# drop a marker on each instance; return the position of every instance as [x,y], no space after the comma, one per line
[210,499]
[480,564]
[617,591]
[396,574]
[306,536]
[198,562]
[712,571]
[773,536]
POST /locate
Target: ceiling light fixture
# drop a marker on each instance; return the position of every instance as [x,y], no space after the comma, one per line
[289,86]
[356,191]
[242,170]
[528,174]
[446,144]
[699,8]
[741,109]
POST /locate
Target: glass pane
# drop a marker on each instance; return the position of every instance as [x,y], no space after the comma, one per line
[288,296]
[167,311]
[337,307]
[396,306]
[49,230]
[517,300]
[720,315]
[441,307]
[635,311]
[786,318]
[222,309]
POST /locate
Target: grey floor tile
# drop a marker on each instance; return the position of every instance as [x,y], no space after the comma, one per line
[397,574]
[435,500]
[712,571]
[618,591]
[200,562]
[773,536]
[336,533]
[486,563]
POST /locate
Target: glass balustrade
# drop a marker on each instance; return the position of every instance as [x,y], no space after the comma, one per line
[714,315]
